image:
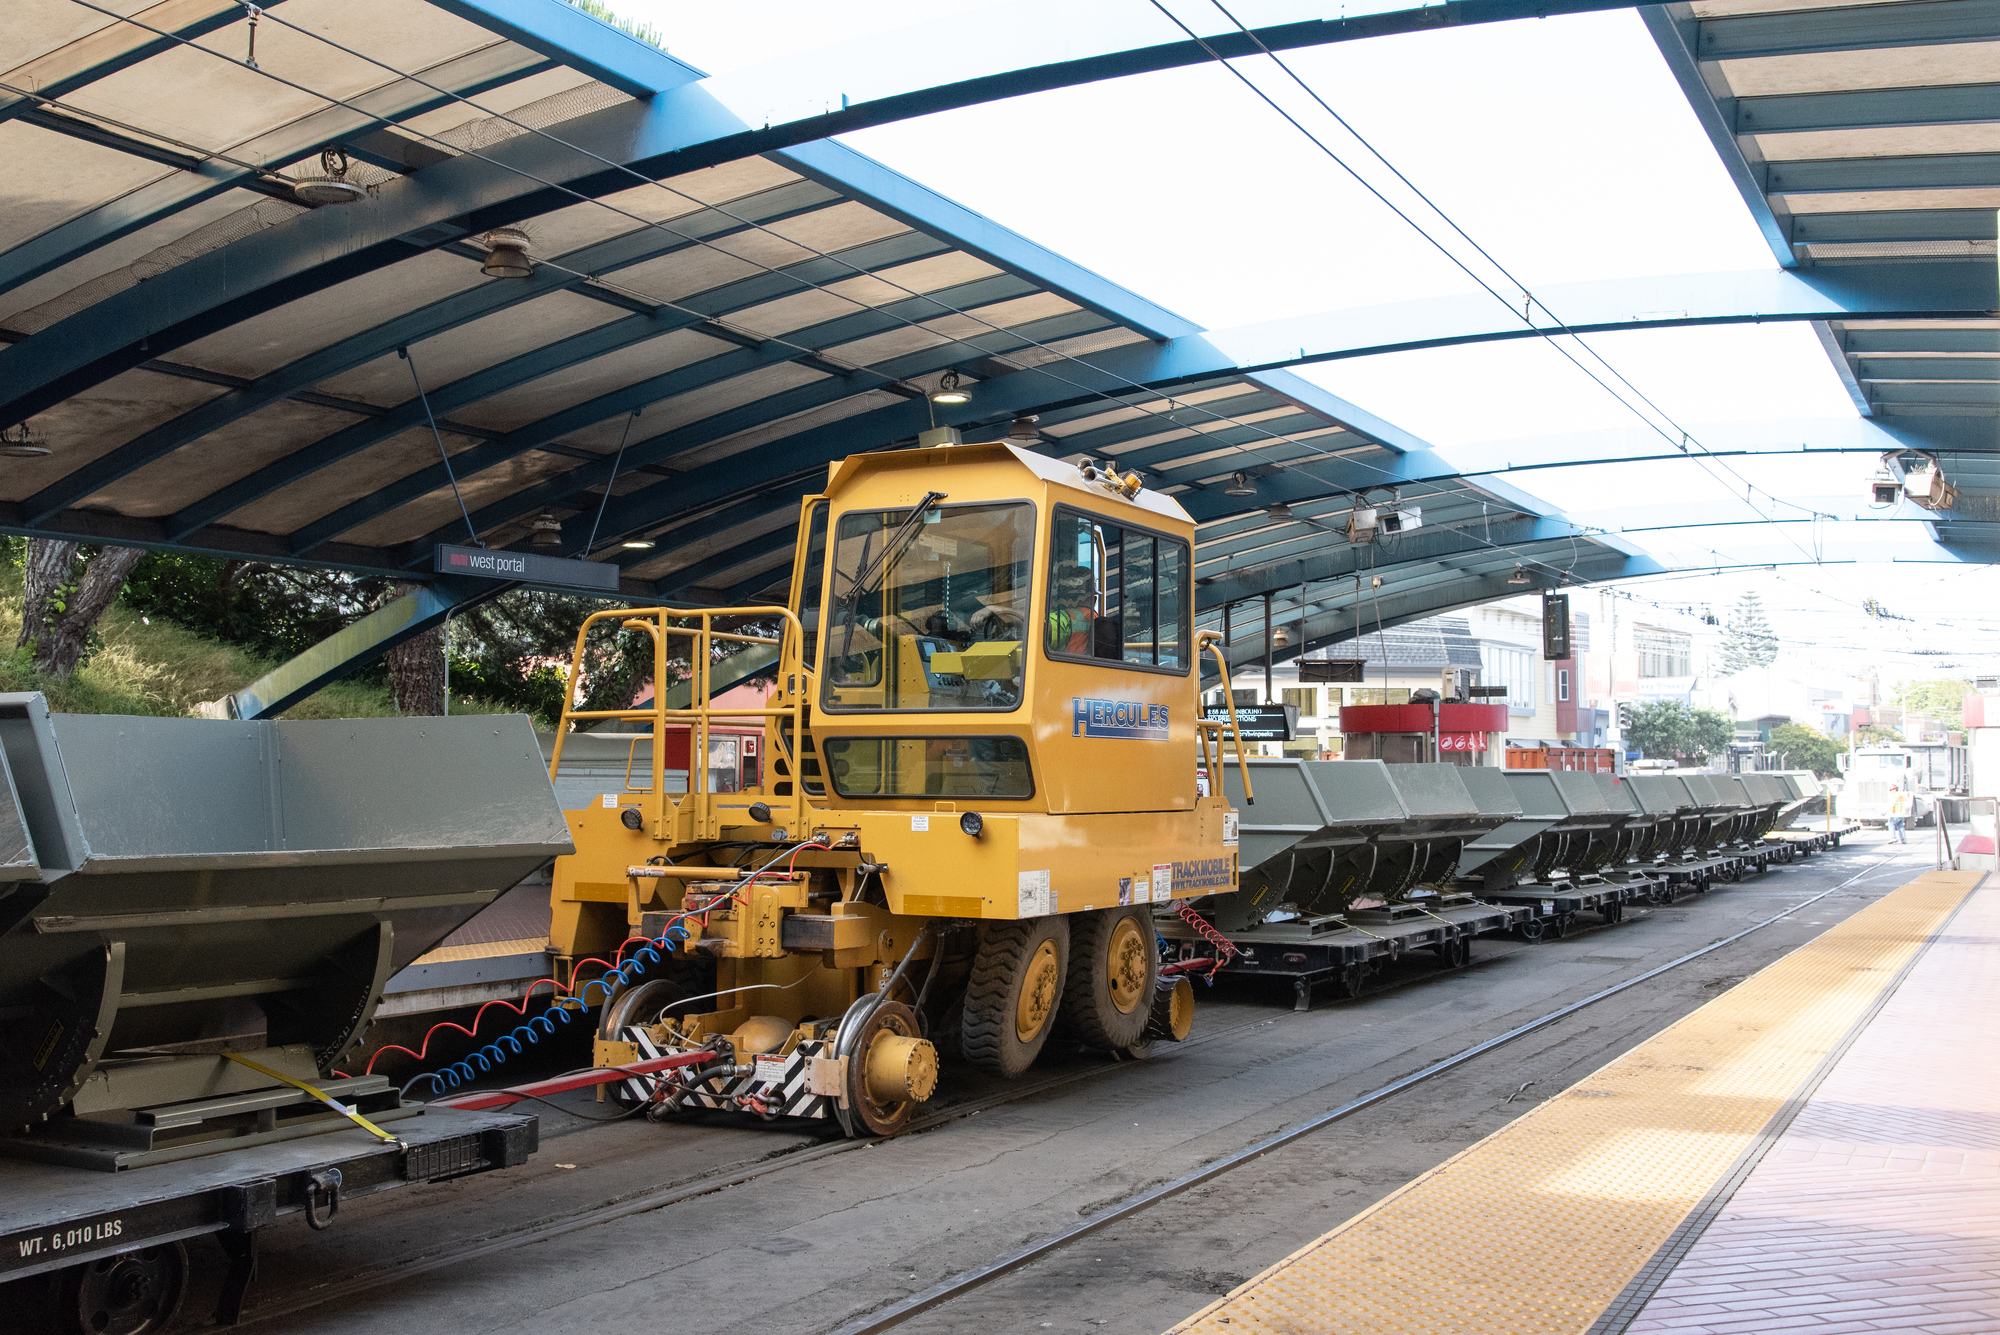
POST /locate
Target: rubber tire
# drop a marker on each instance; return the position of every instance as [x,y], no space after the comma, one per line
[986,1030]
[1086,997]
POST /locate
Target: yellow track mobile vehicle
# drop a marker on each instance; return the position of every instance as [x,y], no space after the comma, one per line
[982,751]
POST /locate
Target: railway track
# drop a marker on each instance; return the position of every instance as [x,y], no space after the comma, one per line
[895,1314]
[376,1278]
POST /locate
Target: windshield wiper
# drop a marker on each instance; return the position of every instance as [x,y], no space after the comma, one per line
[869,574]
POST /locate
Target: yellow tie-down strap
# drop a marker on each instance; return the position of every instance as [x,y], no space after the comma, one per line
[323,1097]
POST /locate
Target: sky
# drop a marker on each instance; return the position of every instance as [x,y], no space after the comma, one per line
[1561,146]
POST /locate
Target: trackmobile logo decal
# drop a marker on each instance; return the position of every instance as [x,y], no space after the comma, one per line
[1205,873]
[1128,719]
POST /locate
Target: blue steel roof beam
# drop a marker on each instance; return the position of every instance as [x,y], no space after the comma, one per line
[1408,594]
[688,578]
[710,371]
[776,578]
[1399,607]
[677,131]
[1257,448]
[116,46]
[1098,407]
[234,544]
[1286,540]
[1869,109]
[1823,436]
[544,361]
[468,75]
[569,36]
[1895,225]
[1843,367]
[408,328]
[634,515]
[1241,449]
[1928,368]
[695,529]
[1677,33]
[1325,477]
[1169,364]
[1850,28]
[889,191]
[1105,441]
[1862,342]
[1979,400]
[354,646]
[1932,171]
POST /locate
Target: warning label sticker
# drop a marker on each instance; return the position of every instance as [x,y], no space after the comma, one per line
[1037,899]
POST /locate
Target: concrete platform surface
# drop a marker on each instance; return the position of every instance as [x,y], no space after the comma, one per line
[1812,1150]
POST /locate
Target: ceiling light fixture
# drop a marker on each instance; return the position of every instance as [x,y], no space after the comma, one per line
[18,442]
[948,390]
[547,530]
[1520,575]
[637,544]
[507,254]
[1279,511]
[1241,486]
[331,186]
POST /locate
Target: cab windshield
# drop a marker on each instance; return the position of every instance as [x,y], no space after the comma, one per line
[928,609]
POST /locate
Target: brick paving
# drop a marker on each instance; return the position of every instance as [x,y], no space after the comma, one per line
[1879,1208]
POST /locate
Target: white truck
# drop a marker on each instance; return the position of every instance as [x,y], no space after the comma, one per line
[1927,771]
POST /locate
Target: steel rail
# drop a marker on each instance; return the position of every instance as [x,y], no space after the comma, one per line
[966,1281]
[703,1184]
[372,1279]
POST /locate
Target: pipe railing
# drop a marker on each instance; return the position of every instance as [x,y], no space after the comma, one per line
[659,623]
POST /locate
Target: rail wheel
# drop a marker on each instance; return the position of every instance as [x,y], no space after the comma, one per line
[1455,951]
[635,1003]
[132,1293]
[1613,911]
[891,1068]
[1017,983]
[1114,964]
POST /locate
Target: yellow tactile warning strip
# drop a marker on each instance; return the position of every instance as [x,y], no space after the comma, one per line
[1539,1227]
[484,950]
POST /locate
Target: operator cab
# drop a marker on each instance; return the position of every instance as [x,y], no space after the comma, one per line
[995,625]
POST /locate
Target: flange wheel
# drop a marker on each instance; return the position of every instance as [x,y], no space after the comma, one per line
[1114,964]
[635,1003]
[132,1293]
[891,1068]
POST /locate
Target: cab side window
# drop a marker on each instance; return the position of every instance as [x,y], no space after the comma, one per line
[1117,594]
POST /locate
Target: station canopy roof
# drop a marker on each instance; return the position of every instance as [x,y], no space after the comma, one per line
[200,356]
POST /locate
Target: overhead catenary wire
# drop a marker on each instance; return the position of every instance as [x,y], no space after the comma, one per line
[1677,436]
[1174,404]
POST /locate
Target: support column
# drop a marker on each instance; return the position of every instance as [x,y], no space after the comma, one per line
[354,647]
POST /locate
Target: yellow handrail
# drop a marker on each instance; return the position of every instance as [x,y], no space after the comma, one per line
[657,622]
[1208,639]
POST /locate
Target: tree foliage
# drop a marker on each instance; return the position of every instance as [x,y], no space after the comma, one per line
[1749,641]
[1710,731]
[1669,730]
[65,589]
[1806,748]
[1940,698]
[274,612]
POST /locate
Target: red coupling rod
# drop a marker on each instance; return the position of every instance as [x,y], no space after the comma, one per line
[603,1075]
